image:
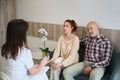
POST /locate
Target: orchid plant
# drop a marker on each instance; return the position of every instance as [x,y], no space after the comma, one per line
[44,39]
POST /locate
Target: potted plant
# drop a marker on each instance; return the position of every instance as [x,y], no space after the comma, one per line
[45,50]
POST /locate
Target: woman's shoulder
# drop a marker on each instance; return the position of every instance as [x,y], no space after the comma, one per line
[24,51]
[75,37]
[61,37]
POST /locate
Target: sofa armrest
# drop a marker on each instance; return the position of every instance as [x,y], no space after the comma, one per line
[116,73]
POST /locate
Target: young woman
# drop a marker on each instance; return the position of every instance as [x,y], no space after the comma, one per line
[17,60]
[66,52]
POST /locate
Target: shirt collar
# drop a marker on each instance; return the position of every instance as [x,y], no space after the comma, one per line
[96,37]
[99,35]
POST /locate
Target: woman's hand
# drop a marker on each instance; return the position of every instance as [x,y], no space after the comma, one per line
[44,62]
[36,68]
[56,66]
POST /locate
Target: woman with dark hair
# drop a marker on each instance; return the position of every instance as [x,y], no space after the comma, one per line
[66,52]
[16,55]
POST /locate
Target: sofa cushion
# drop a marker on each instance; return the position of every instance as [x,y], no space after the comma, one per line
[79,77]
[115,61]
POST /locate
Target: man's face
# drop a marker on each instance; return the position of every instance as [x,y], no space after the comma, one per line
[93,29]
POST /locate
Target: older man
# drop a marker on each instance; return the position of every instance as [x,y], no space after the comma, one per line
[98,54]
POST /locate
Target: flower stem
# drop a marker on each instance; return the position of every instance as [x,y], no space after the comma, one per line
[44,44]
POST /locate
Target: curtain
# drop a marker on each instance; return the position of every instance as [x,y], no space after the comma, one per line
[6,14]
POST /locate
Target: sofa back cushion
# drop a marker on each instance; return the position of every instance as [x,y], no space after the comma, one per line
[81,51]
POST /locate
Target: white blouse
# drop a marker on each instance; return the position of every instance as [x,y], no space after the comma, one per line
[17,69]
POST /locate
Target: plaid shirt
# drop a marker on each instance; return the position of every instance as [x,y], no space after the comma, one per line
[98,51]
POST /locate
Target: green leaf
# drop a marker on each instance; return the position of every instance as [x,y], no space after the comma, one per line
[45,50]
[41,49]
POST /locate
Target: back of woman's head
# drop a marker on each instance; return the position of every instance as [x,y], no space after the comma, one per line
[15,38]
[72,23]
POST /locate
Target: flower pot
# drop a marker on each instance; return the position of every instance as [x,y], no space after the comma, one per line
[44,54]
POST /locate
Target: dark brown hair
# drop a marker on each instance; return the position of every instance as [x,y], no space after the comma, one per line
[72,23]
[15,38]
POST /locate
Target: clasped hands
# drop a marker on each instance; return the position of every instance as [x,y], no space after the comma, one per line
[56,66]
[87,70]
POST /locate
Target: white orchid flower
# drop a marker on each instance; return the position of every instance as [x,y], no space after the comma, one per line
[43,31]
[44,38]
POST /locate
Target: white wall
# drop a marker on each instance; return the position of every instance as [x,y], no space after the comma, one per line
[105,12]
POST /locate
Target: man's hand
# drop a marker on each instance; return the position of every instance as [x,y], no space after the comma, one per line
[87,70]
